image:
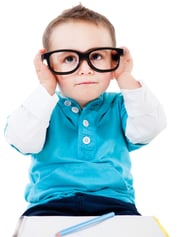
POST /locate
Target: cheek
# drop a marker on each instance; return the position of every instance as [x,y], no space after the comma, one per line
[107,77]
[61,80]
[105,81]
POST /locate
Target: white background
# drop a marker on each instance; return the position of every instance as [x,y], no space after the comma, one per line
[156,32]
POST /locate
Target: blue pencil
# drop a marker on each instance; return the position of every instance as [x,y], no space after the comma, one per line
[84,224]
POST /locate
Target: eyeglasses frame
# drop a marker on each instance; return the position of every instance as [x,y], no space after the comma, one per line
[82,56]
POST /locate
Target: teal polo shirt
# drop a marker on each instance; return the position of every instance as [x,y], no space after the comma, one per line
[85,151]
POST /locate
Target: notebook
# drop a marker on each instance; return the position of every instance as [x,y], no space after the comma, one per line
[117,226]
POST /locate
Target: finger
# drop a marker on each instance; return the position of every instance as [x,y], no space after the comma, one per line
[37,60]
[127,55]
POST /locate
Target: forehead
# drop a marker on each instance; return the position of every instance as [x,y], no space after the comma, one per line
[80,36]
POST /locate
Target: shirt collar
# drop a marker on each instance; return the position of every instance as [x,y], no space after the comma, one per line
[92,105]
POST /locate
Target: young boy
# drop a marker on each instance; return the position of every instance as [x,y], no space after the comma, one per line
[79,138]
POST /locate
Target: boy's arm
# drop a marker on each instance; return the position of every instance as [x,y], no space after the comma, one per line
[146,116]
[26,127]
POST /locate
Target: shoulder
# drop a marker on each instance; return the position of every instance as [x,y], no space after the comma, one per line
[112,97]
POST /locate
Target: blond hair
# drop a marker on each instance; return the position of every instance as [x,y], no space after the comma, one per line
[78,13]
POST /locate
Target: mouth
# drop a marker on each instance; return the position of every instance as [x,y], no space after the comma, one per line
[86,83]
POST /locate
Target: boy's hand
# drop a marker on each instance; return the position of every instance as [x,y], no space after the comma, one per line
[123,74]
[45,76]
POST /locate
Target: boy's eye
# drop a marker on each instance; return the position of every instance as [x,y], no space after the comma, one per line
[96,56]
[70,59]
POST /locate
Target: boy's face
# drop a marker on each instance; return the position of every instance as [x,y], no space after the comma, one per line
[84,84]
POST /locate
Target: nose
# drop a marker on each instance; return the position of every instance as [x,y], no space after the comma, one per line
[84,68]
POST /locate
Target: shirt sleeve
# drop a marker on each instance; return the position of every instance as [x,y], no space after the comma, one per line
[26,127]
[146,116]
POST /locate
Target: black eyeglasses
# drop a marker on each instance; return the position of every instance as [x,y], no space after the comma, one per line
[66,61]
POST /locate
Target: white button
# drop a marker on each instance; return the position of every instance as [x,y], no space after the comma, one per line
[86,140]
[75,110]
[85,123]
[67,103]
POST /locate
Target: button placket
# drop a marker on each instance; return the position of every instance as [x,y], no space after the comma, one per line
[86,139]
[85,132]
[86,135]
